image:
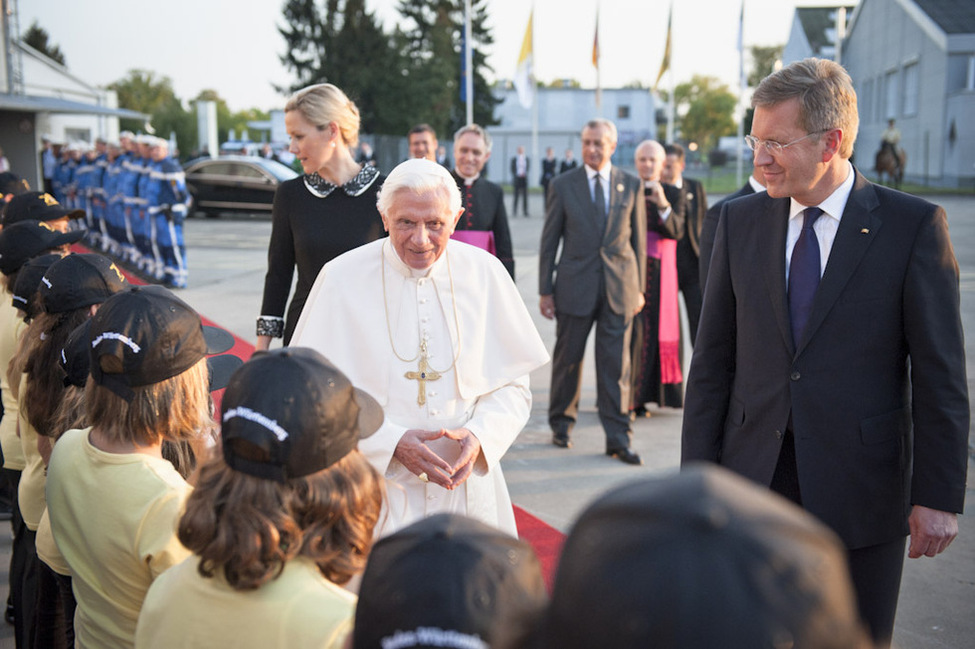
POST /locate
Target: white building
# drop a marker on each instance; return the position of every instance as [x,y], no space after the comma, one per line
[914,61]
[40,97]
[814,32]
[562,112]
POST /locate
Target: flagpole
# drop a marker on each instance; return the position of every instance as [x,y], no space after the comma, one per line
[468,62]
[741,94]
[595,61]
[535,98]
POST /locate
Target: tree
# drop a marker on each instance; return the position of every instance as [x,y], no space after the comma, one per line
[38,38]
[341,43]
[706,109]
[432,46]
[764,60]
[142,91]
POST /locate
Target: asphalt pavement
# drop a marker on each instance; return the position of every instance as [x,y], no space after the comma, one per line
[227,261]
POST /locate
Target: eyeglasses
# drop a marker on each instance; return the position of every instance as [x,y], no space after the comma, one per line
[772,146]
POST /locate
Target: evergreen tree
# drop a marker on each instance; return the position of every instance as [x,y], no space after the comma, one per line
[432,44]
[38,38]
[341,43]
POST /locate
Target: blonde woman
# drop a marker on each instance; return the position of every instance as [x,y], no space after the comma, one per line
[329,210]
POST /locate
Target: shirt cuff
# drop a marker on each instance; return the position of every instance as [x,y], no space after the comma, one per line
[269,325]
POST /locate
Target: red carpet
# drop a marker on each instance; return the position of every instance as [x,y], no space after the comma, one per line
[545,539]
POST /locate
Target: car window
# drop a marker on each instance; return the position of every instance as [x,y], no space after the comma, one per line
[215,169]
[245,171]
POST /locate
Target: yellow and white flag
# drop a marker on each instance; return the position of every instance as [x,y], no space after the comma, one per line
[525,75]
[665,64]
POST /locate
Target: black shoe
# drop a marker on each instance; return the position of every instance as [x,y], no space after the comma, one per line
[561,439]
[625,455]
[8,615]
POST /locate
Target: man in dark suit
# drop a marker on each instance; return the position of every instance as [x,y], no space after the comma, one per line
[483,200]
[568,162]
[688,248]
[756,183]
[548,172]
[598,214]
[830,364]
[519,174]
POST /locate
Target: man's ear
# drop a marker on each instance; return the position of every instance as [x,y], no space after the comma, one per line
[453,226]
[833,138]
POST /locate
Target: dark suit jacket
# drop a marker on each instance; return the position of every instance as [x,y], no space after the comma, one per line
[487,213]
[875,386]
[710,226]
[695,206]
[673,227]
[568,166]
[514,167]
[616,253]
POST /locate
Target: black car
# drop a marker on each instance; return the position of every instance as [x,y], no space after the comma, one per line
[235,184]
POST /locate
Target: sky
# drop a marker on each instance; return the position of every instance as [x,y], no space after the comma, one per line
[233,46]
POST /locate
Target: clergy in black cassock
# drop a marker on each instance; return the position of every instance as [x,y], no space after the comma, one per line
[484,211]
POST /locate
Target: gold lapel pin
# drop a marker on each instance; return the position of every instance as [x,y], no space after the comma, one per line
[865,231]
[619,187]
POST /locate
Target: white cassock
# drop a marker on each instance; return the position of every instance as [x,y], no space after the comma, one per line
[486,390]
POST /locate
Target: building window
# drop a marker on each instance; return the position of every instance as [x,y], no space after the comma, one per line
[890,85]
[77,134]
[866,108]
[970,81]
[910,89]
[622,112]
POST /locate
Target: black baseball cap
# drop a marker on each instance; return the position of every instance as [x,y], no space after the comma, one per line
[700,558]
[290,413]
[28,280]
[76,360]
[446,581]
[21,241]
[78,281]
[145,335]
[36,206]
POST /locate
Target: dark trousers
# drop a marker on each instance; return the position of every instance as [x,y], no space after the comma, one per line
[612,372]
[689,282]
[521,189]
[875,570]
[54,627]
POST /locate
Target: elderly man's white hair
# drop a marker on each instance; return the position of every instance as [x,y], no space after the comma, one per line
[420,176]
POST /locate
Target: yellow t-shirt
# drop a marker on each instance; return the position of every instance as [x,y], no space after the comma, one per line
[30,493]
[301,608]
[114,520]
[11,329]
[47,549]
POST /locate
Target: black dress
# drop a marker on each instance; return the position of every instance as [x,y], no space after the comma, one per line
[313,221]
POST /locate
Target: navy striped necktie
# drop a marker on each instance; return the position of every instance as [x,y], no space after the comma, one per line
[804,269]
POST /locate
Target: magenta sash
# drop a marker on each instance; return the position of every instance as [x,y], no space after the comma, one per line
[669,330]
[479,238]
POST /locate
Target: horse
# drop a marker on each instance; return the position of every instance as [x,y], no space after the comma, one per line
[886,163]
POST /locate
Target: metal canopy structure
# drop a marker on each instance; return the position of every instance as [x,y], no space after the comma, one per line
[33,104]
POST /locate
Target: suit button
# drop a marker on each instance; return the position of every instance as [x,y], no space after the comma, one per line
[778,434]
[795,376]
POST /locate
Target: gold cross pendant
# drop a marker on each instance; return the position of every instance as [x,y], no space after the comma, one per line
[423,374]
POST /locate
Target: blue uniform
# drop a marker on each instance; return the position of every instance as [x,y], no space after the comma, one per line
[168,202]
[129,188]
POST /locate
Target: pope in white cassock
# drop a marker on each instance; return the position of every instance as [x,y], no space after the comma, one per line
[436,331]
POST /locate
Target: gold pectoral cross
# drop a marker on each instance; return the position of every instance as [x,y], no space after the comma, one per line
[423,374]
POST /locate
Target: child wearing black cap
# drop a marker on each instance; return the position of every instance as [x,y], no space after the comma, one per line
[113,501]
[280,521]
[70,291]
